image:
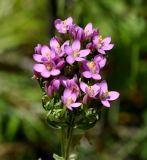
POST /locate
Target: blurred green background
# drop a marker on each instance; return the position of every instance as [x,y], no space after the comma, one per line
[121,134]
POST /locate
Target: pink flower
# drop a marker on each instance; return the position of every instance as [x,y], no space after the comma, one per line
[102,45]
[52,87]
[88,30]
[63,26]
[106,95]
[49,68]
[91,91]
[69,99]
[43,54]
[74,52]
[91,70]
[59,50]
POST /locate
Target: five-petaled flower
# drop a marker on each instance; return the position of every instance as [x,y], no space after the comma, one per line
[74,52]
[69,99]
[105,95]
[102,45]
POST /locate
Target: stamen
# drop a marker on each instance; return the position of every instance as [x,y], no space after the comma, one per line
[76,53]
[91,91]
[69,100]
[106,94]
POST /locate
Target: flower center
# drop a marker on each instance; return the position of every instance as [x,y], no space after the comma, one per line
[65,22]
[69,100]
[76,53]
[92,66]
[100,42]
[106,94]
[48,66]
[91,91]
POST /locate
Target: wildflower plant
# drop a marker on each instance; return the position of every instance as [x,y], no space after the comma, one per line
[68,70]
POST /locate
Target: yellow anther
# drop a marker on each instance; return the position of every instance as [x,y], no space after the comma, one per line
[91,91]
[76,53]
[106,94]
[65,21]
[48,66]
[92,66]
[69,100]
[100,42]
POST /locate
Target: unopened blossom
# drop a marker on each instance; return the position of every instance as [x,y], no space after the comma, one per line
[91,91]
[63,26]
[91,69]
[105,95]
[49,68]
[52,87]
[69,99]
[59,49]
[100,60]
[43,54]
[102,45]
[74,52]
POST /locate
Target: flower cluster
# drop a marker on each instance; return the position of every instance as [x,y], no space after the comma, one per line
[70,66]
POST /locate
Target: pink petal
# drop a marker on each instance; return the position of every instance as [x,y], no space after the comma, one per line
[88,27]
[79,59]
[108,47]
[96,89]
[76,45]
[39,67]
[55,72]
[69,21]
[96,76]
[54,43]
[83,86]
[87,74]
[75,105]
[68,50]
[85,98]
[37,57]
[101,51]
[84,52]
[45,50]
[45,73]
[69,107]
[113,95]
[70,59]
[106,40]
[104,86]
[66,94]
[105,103]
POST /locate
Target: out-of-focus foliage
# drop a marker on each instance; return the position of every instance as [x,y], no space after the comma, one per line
[121,133]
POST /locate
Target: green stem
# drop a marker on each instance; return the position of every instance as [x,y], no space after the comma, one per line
[67,138]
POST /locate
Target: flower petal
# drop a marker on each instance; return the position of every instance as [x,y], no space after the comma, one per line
[70,59]
[37,57]
[76,45]
[105,103]
[96,89]
[106,40]
[113,95]
[39,67]
[69,21]
[66,94]
[104,86]
[87,74]
[96,76]
[88,27]
[108,47]
[55,72]
[79,59]
[45,50]
[101,51]
[83,86]
[68,50]
[86,98]
[45,73]
[84,52]
[75,105]
[54,43]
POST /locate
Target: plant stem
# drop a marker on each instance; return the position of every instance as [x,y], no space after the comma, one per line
[67,138]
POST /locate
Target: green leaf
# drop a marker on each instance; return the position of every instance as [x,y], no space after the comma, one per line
[56,157]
